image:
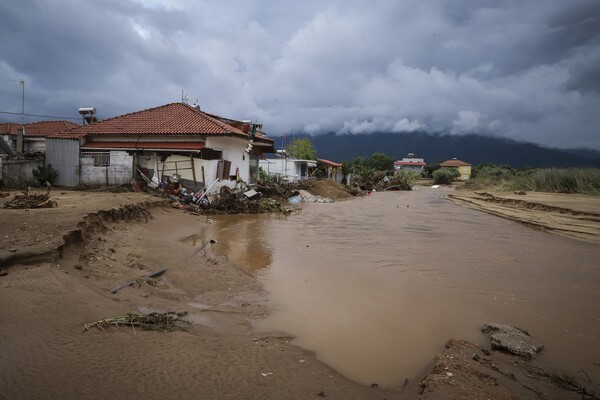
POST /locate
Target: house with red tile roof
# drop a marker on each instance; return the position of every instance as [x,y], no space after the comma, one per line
[463,167]
[331,169]
[410,163]
[20,153]
[34,139]
[176,141]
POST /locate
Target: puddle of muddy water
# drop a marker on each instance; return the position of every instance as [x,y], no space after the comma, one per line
[376,285]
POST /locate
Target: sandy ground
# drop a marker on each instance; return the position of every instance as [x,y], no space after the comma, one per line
[572,215]
[62,263]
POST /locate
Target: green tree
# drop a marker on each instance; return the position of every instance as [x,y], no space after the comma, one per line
[302,149]
[445,175]
[380,162]
[346,170]
[428,169]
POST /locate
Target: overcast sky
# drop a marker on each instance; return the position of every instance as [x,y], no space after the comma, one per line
[527,70]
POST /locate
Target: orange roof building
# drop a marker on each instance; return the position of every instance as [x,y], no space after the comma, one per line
[463,167]
[171,140]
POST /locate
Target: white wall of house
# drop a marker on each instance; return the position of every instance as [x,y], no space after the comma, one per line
[289,169]
[417,168]
[183,166]
[232,150]
[118,171]
[31,144]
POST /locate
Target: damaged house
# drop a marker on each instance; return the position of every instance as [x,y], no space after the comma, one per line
[176,141]
[22,149]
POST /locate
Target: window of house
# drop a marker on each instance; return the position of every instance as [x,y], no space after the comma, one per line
[101,158]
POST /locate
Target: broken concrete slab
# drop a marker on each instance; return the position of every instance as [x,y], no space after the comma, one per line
[512,339]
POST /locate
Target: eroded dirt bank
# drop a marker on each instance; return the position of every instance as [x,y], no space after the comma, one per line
[572,215]
[62,264]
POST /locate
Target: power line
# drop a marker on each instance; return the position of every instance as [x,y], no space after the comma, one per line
[39,116]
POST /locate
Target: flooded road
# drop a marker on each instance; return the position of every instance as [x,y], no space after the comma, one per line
[376,285]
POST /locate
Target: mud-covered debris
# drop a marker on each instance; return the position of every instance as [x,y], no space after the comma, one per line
[379,181]
[31,200]
[512,339]
[168,321]
[308,197]
[145,277]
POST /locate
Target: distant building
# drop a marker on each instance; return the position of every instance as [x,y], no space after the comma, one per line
[410,163]
[463,167]
[331,169]
[288,169]
[34,139]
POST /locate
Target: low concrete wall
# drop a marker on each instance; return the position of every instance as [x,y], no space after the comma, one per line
[119,172]
[17,172]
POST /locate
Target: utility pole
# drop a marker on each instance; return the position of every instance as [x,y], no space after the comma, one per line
[22,83]
[21,134]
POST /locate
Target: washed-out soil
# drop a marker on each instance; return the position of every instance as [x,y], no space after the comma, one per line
[63,262]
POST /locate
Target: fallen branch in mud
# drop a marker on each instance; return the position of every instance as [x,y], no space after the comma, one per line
[31,200]
[132,282]
[167,322]
[200,248]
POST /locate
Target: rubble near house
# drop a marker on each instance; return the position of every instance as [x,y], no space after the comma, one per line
[31,200]
[266,197]
[380,182]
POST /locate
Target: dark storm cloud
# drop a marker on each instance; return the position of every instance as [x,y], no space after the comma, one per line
[521,69]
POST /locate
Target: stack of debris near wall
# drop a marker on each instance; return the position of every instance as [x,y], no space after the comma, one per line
[31,200]
[246,202]
[265,197]
[378,181]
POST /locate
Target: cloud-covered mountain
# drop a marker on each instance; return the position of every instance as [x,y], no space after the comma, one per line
[475,149]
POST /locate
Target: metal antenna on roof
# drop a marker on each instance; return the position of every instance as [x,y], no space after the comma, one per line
[184,98]
[22,83]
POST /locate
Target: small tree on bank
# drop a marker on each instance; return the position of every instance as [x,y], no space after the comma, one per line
[302,149]
[445,176]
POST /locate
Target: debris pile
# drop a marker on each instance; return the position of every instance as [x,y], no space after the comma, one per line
[245,202]
[31,200]
[379,181]
[265,197]
[4,194]
[166,322]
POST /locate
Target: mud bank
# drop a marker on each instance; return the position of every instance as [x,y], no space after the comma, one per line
[52,289]
[576,216]
[66,261]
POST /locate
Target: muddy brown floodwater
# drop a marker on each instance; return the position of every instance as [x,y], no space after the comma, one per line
[376,285]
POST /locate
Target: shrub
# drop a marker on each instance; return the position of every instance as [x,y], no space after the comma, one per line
[445,175]
[43,174]
[556,180]
[407,176]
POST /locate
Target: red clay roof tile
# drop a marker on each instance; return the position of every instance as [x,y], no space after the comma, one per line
[454,163]
[169,119]
[135,145]
[41,128]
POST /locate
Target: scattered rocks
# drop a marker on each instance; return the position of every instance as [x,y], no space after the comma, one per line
[512,339]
